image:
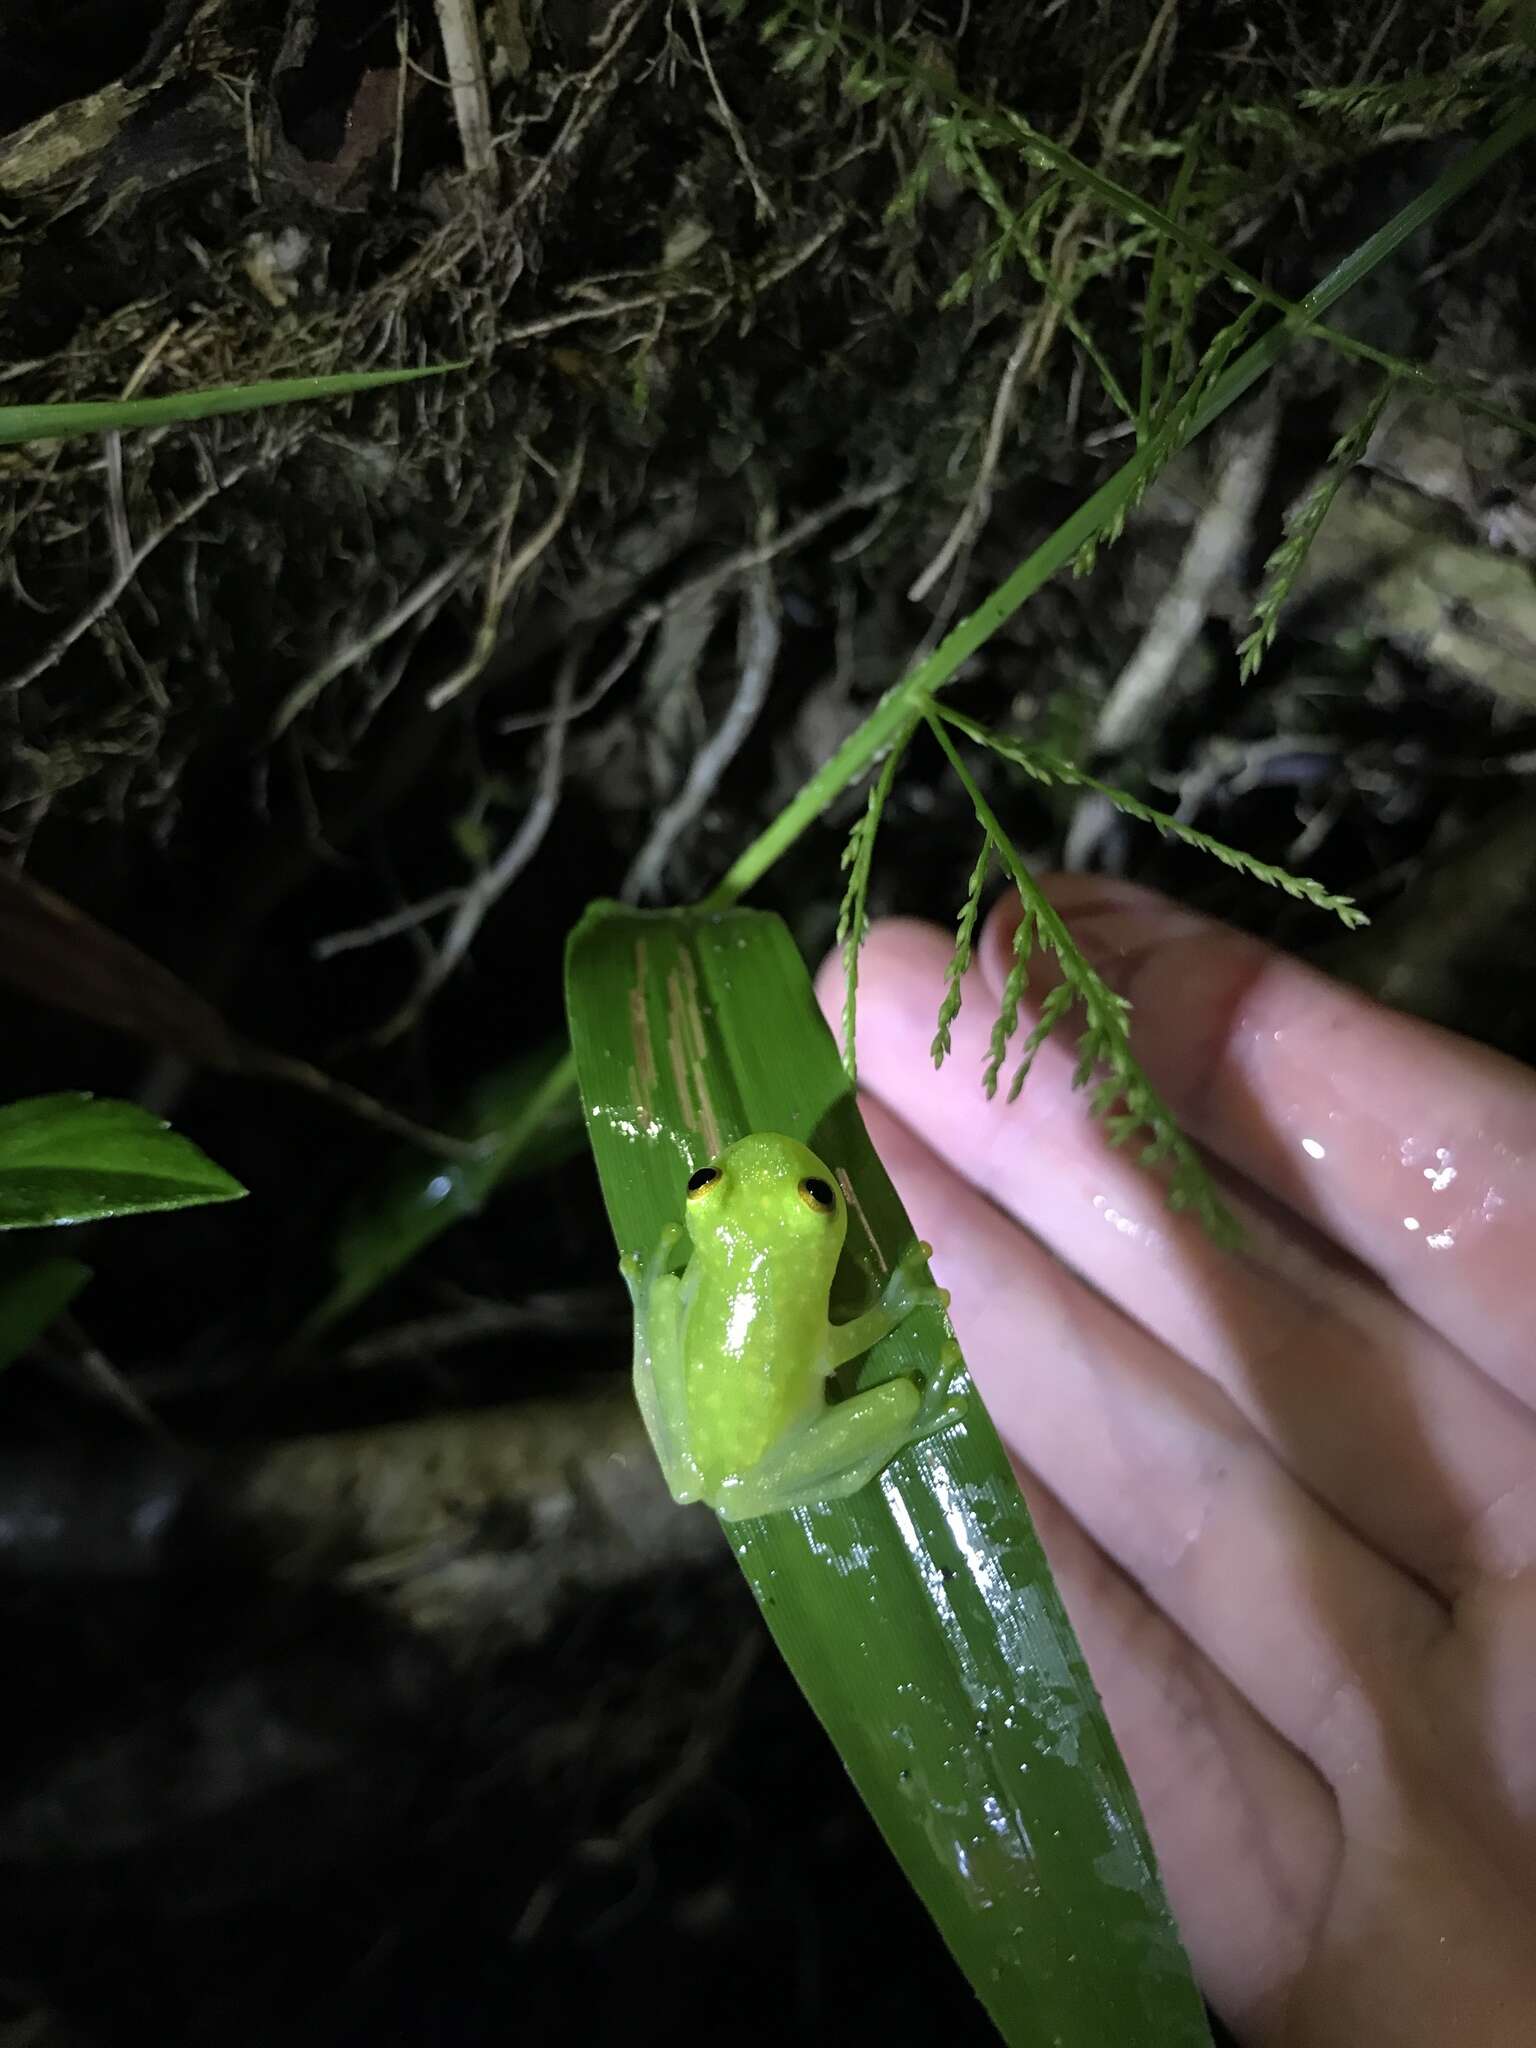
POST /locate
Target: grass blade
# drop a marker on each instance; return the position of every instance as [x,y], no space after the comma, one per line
[853,917]
[1303,523]
[105,415]
[918,1615]
[1212,395]
[1043,765]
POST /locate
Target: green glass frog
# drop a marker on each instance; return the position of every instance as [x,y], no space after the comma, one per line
[732,1355]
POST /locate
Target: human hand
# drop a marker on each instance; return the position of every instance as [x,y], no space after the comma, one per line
[1289,1493]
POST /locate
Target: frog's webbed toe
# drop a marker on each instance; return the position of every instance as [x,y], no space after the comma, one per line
[908,1287]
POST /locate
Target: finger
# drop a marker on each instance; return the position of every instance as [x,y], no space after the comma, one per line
[1245,1833]
[1309,1625]
[1414,1149]
[1380,1417]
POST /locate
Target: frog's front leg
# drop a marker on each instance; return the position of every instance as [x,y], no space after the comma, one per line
[657,1294]
[905,1290]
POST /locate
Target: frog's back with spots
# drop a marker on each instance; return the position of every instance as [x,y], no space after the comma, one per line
[767,1222]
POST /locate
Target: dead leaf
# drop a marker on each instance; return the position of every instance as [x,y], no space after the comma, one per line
[56,954]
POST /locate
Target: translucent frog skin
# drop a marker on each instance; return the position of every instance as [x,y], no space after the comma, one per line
[733,1354]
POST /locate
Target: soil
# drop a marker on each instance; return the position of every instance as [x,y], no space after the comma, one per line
[740,353]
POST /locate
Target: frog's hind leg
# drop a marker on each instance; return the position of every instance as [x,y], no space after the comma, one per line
[941,1405]
[840,1452]
[658,1362]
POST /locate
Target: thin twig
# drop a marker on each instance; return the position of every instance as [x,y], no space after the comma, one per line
[649,616]
[304,693]
[635,636]
[112,454]
[280,1066]
[481,894]
[1166,16]
[502,582]
[100,1374]
[490,611]
[386,678]
[388,927]
[787,261]
[759,552]
[477,1320]
[973,514]
[593,88]
[760,639]
[763,204]
[600,309]
[106,598]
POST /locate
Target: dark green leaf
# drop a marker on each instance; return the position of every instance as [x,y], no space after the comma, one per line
[528,1114]
[34,1293]
[74,1159]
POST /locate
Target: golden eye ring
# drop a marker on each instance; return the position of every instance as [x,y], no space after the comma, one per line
[701,1182]
[817,1194]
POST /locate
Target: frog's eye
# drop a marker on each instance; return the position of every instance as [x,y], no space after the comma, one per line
[698,1182]
[817,1194]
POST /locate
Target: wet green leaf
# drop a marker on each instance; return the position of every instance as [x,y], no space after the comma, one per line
[75,1159]
[919,1615]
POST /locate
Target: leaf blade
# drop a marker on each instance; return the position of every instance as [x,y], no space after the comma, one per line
[918,1615]
[76,1158]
